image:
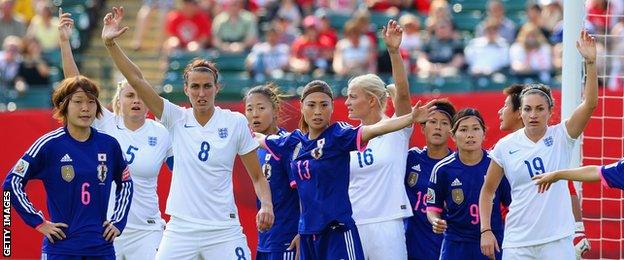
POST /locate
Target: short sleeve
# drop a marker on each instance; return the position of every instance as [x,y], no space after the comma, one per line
[246,141]
[562,131]
[504,192]
[497,154]
[171,114]
[278,145]
[107,118]
[349,138]
[612,175]
[436,193]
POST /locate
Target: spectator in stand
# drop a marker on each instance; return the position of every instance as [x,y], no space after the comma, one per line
[531,54]
[43,27]
[598,12]
[345,7]
[328,37]
[288,9]
[496,12]
[487,54]
[390,7]
[443,53]
[354,54]
[25,9]
[188,28]
[412,40]
[163,6]
[438,11]
[306,54]
[9,60]
[286,32]
[235,30]
[33,71]
[268,59]
[552,14]
[362,20]
[421,6]
[9,23]
[534,16]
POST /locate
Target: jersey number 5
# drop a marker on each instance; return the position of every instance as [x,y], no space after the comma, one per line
[130,153]
[535,168]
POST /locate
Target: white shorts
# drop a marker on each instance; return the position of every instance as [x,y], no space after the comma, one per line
[137,244]
[183,240]
[559,249]
[383,240]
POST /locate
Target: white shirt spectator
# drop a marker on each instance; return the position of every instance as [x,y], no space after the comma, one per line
[485,57]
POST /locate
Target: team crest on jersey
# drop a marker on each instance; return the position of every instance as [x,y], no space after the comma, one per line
[318,151]
[223,133]
[20,168]
[458,196]
[101,172]
[101,157]
[430,196]
[152,140]
[412,179]
[266,170]
[548,141]
[67,173]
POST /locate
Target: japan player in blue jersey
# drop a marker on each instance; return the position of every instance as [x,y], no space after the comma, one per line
[77,165]
[319,154]
[262,109]
[454,186]
[206,140]
[146,144]
[421,242]
[610,175]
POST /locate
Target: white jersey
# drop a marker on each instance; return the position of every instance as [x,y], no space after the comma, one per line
[145,150]
[536,218]
[376,177]
[201,187]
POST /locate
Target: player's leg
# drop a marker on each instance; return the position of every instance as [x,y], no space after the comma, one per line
[383,240]
[558,249]
[308,247]
[340,243]
[179,241]
[234,249]
[521,253]
[139,244]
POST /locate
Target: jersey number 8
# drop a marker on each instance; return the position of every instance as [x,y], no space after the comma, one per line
[203,151]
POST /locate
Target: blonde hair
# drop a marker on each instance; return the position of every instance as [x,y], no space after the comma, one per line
[527,29]
[117,96]
[372,85]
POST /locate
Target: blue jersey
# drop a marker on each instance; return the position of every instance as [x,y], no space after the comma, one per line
[77,178]
[612,175]
[422,243]
[285,203]
[320,169]
[454,191]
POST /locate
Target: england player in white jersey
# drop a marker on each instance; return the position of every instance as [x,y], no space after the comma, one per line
[206,139]
[144,142]
[538,226]
[376,189]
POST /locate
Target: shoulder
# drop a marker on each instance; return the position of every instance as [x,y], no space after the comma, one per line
[231,116]
[415,150]
[100,136]
[46,140]
[157,127]
[445,163]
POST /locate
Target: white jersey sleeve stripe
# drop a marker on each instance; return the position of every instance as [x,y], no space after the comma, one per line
[36,151]
[18,188]
[41,139]
[445,161]
[125,194]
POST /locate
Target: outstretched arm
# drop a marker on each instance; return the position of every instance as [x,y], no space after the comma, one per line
[586,45]
[584,174]
[418,114]
[131,72]
[392,35]
[66,23]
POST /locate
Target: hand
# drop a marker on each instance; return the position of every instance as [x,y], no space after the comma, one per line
[489,245]
[580,241]
[52,230]
[586,45]
[294,245]
[392,35]
[110,232]
[66,24]
[264,218]
[439,226]
[543,181]
[421,113]
[112,20]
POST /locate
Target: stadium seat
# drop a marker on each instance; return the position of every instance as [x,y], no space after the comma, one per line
[337,20]
[34,97]
[379,19]
[466,21]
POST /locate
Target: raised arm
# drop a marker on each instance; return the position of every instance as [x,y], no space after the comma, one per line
[265,217]
[66,23]
[418,114]
[392,35]
[492,179]
[575,125]
[130,71]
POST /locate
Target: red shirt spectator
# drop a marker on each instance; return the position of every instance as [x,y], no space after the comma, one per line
[189,27]
[304,48]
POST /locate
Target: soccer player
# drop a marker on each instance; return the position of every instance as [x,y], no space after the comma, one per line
[319,154]
[510,121]
[262,109]
[206,139]
[422,243]
[453,194]
[77,165]
[145,142]
[376,191]
[538,226]
[611,176]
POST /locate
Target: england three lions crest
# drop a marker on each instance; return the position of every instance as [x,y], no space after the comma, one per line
[223,133]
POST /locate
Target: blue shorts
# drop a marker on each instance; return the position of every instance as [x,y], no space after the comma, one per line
[285,255]
[46,256]
[462,250]
[336,242]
